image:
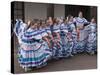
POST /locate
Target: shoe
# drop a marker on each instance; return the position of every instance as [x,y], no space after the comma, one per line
[27,69]
[92,53]
[71,55]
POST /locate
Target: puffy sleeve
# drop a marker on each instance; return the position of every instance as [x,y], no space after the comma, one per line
[56,28]
[85,20]
[29,36]
[48,30]
[17,27]
[44,33]
[63,27]
[20,27]
[74,19]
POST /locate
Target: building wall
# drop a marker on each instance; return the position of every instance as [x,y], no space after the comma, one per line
[41,10]
[35,11]
[59,10]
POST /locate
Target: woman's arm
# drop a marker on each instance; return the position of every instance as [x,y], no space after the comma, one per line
[47,40]
[58,36]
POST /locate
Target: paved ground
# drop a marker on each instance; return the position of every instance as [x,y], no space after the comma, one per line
[78,62]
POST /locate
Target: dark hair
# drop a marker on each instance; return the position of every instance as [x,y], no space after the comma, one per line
[68,17]
[54,20]
[40,21]
[65,21]
[94,19]
[33,22]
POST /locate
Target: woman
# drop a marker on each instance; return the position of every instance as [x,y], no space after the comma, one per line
[33,49]
[81,34]
[64,39]
[91,46]
[48,28]
[57,49]
[71,35]
[44,34]
[19,29]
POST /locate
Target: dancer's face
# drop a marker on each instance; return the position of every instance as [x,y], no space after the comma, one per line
[65,21]
[71,19]
[35,25]
[32,26]
[43,24]
[93,20]
[80,14]
[50,18]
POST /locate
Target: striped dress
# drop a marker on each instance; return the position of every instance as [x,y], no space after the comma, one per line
[72,40]
[57,49]
[92,38]
[81,34]
[43,33]
[64,40]
[33,51]
[49,32]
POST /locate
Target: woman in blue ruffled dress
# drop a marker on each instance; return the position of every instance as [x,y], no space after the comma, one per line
[81,33]
[71,35]
[64,39]
[33,50]
[91,46]
[57,49]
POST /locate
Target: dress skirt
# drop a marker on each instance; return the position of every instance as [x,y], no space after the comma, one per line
[65,44]
[91,43]
[33,55]
[81,45]
[56,49]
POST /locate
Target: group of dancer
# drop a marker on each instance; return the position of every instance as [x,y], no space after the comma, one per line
[54,38]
